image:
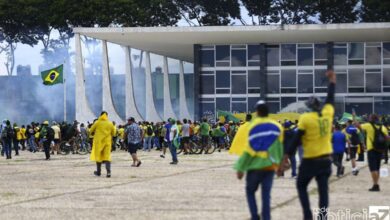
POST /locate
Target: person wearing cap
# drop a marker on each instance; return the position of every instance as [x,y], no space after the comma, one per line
[103,130]
[315,132]
[133,138]
[262,139]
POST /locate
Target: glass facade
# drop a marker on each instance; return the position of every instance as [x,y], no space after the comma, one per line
[230,76]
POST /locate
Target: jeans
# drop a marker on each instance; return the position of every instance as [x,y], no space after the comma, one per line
[300,153]
[338,162]
[46,147]
[156,141]
[293,161]
[253,180]
[7,144]
[320,169]
[172,149]
[16,146]
[147,143]
[32,144]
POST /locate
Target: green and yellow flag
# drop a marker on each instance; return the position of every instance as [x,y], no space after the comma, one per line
[53,76]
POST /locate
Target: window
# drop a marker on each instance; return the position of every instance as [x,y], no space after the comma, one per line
[207,84]
[273,55]
[386,77]
[320,79]
[305,57]
[253,55]
[252,102]
[320,54]
[355,53]
[223,104]
[340,56]
[254,78]
[207,108]
[273,107]
[288,53]
[239,84]
[373,54]
[287,101]
[356,78]
[239,107]
[386,53]
[238,57]
[273,84]
[207,58]
[222,55]
[222,79]
[341,85]
[288,78]
[305,83]
[373,82]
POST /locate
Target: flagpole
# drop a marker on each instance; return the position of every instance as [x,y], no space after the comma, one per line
[63,75]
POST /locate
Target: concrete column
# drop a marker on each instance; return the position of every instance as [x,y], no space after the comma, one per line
[83,111]
[108,104]
[151,112]
[131,108]
[183,108]
[168,110]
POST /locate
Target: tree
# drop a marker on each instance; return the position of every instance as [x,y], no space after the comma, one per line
[333,11]
[375,11]
[205,12]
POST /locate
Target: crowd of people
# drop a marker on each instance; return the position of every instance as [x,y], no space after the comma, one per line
[266,147]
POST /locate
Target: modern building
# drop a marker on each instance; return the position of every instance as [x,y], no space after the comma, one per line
[231,67]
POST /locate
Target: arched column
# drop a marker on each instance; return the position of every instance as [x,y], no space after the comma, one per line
[131,107]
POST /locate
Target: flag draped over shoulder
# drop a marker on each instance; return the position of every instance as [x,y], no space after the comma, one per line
[53,76]
[259,144]
[227,116]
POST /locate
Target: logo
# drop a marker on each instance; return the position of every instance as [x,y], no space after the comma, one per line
[379,212]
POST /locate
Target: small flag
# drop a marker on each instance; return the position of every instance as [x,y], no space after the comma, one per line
[53,76]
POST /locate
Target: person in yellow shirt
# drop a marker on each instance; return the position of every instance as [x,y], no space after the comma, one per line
[315,132]
[103,130]
[24,137]
[376,136]
[121,135]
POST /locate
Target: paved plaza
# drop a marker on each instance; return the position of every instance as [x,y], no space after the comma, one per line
[199,187]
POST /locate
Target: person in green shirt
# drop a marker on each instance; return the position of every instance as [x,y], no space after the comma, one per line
[219,133]
[204,133]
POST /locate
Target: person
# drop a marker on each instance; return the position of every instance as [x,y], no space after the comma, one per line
[174,143]
[315,132]
[121,136]
[353,144]
[219,133]
[17,138]
[237,147]
[6,137]
[205,135]
[339,141]
[260,158]
[167,140]
[375,148]
[133,136]
[31,139]
[57,137]
[115,137]
[84,136]
[46,135]
[147,136]
[185,134]
[24,137]
[103,130]
[288,137]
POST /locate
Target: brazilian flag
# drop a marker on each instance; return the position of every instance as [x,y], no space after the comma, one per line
[53,76]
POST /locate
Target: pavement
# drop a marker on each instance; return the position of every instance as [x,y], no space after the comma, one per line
[199,187]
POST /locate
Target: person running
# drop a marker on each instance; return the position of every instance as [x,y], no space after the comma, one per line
[376,136]
[260,158]
[353,144]
[339,141]
[133,138]
[315,131]
[103,130]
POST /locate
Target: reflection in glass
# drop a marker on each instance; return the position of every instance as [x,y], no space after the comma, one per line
[239,107]
[320,51]
[320,79]
[238,57]
[206,84]
[305,57]
[138,74]
[189,85]
[222,53]
[386,50]
[305,83]
[386,76]
[273,107]
[340,56]
[273,84]
[252,102]
[288,51]
[223,104]
[372,84]
[253,78]
[273,56]
[222,79]
[288,100]
[174,84]
[207,58]
[238,84]
[341,85]
[356,50]
[288,78]
[356,77]
[373,55]
[253,52]
[157,65]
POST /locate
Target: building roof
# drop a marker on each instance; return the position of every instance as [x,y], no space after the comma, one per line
[177,42]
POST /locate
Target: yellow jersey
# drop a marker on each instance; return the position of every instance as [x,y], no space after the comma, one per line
[121,133]
[370,134]
[316,140]
[23,132]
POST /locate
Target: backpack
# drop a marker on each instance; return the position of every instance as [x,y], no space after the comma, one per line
[4,132]
[149,130]
[355,140]
[10,132]
[50,133]
[379,142]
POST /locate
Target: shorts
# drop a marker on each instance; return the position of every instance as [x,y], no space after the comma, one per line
[374,160]
[185,140]
[56,141]
[353,152]
[132,148]
[221,140]
[205,140]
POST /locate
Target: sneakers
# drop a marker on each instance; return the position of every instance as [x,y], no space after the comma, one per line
[342,170]
[355,172]
[173,162]
[139,163]
[96,173]
[375,188]
[108,175]
[162,156]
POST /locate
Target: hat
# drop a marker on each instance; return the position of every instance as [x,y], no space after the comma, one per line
[131,119]
[46,123]
[287,124]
